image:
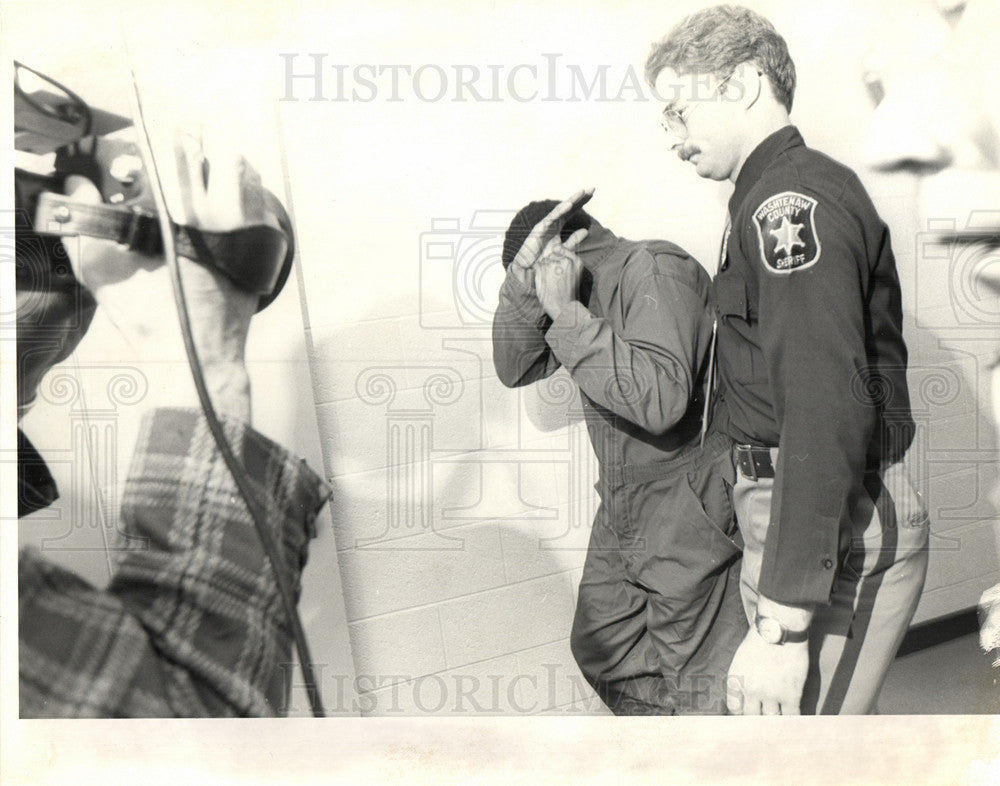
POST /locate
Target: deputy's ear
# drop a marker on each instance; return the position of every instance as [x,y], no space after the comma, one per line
[745,85]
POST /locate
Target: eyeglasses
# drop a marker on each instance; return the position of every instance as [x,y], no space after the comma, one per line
[674,121]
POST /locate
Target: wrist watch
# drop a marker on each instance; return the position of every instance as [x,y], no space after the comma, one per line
[773,632]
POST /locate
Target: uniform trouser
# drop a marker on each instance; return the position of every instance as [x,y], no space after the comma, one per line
[659,615]
[853,640]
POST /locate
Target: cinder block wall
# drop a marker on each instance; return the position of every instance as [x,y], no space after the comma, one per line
[953,336]
[462,521]
[462,509]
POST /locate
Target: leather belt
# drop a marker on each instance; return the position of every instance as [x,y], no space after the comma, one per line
[753,462]
[253,257]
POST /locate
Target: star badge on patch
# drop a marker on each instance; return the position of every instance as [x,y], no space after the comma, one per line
[786,231]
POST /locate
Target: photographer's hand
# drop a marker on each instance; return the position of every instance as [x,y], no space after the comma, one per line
[133,290]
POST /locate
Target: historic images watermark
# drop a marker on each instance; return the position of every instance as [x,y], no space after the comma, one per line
[314,76]
[552,688]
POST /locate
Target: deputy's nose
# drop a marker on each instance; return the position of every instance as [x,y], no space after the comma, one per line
[674,142]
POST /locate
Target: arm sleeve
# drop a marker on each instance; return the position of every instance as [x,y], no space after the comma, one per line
[191,623]
[520,354]
[647,372]
[812,332]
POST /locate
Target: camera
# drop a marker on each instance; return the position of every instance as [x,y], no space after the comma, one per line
[52,120]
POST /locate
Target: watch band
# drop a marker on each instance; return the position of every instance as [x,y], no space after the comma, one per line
[786,636]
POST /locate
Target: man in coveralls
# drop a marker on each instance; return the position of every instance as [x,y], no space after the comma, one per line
[658,616]
[812,370]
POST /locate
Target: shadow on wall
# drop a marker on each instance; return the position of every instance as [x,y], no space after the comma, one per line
[462,513]
[953,464]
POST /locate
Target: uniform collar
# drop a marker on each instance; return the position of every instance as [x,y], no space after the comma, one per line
[760,159]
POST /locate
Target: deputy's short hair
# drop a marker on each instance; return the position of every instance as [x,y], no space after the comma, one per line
[716,40]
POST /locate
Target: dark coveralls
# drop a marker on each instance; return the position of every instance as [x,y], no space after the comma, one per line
[812,368]
[658,616]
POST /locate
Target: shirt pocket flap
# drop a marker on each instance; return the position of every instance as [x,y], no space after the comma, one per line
[731,296]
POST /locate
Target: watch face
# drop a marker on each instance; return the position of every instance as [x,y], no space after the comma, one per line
[769,630]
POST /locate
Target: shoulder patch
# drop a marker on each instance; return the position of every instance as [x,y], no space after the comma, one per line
[786,232]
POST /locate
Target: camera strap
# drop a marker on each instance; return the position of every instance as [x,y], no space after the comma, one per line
[227,252]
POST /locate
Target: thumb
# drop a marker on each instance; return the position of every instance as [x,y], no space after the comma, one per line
[576,239]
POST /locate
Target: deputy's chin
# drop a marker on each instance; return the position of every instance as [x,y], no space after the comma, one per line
[706,170]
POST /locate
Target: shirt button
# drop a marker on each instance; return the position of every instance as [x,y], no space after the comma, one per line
[828,563]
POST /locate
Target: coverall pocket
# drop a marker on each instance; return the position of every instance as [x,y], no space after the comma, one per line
[713,495]
[687,524]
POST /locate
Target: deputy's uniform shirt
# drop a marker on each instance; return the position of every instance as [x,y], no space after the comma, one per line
[636,345]
[810,350]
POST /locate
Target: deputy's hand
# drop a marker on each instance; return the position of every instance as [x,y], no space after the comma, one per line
[767,679]
[546,233]
[557,279]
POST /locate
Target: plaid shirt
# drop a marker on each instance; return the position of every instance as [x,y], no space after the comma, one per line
[191,623]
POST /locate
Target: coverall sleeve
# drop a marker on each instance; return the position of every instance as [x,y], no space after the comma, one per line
[520,354]
[812,332]
[646,373]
